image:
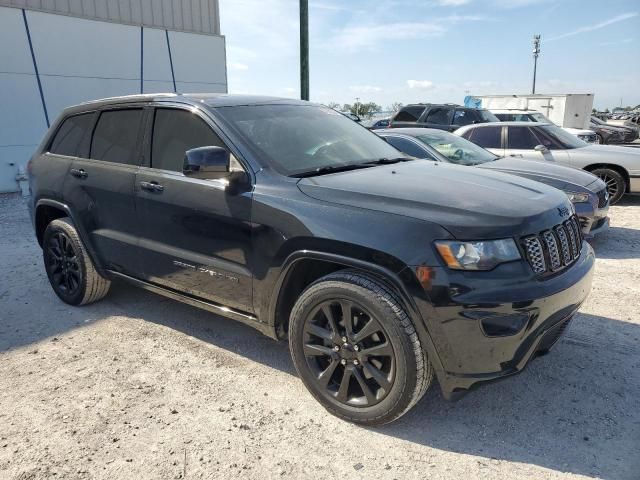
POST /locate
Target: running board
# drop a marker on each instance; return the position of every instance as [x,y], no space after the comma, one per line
[222,310]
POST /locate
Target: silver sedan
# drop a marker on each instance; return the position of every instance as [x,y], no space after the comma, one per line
[618,166]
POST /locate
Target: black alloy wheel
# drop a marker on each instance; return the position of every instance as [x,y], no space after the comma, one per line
[347,349]
[62,264]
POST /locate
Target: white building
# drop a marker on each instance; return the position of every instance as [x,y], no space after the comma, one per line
[55,53]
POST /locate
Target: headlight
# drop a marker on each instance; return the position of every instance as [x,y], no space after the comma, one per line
[576,197]
[484,255]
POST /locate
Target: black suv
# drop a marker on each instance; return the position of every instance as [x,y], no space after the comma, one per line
[445,117]
[381,270]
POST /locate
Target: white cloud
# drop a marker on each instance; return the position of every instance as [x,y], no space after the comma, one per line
[237,66]
[452,3]
[616,42]
[421,84]
[365,89]
[596,26]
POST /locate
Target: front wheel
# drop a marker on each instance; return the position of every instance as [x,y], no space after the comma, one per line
[616,184]
[356,349]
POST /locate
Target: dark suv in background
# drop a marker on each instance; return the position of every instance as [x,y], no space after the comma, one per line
[445,117]
[381,270]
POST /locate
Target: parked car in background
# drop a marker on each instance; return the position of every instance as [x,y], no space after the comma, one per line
[376,123]
[618,167]
[442,116]
[381,271]
[613,134]
[586,191]
[512,115]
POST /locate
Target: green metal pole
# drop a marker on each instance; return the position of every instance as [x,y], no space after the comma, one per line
[304,49]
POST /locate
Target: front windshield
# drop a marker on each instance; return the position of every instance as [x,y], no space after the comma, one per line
[457,149]
[540,118]
[296,139]
[598,121]
[566,139]
[487,116]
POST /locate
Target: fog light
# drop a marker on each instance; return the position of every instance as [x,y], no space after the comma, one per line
[499,325]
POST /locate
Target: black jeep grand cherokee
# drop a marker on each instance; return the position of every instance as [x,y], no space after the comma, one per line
[380,270]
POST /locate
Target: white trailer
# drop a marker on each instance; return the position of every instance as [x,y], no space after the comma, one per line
[571,110]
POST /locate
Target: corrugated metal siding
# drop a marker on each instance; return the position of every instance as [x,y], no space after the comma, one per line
[197,16]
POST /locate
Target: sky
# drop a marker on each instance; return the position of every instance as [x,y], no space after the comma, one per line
[406,51]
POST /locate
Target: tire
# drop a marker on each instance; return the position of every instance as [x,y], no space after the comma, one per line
[616,184]
[71,272]
[599,139]
[379,324]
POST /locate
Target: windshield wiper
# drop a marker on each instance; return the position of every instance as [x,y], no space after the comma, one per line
[331,169]
[387,161]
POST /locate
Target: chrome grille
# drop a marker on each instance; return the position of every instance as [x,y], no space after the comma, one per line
[554,249]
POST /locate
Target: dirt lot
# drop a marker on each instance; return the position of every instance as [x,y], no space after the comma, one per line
[137,386]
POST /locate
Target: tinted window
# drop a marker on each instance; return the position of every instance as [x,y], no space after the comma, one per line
[463,117]
[409,114]
[175,132]
[556,138]
[456,149]
[487,137]
[408,147]
[521,138]
[70,134]
[301,139]
[439,116]
[115,138]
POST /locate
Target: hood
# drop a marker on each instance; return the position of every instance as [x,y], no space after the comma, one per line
[558,176]
[471,203]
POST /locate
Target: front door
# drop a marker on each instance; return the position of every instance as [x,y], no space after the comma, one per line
[521,141]
[99,187]
[195,233]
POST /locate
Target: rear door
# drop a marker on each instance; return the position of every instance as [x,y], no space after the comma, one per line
[489,137]
[99,187]
[195,233]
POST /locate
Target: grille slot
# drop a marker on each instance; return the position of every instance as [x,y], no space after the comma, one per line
[553,250]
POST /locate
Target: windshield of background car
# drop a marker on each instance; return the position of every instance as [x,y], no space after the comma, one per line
[566,139]
[456,149]
[487,116]
[538,117]
[302,138]
[598,121]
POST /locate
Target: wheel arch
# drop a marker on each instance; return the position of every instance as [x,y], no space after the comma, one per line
[618,168]
[47,210]
[304,267]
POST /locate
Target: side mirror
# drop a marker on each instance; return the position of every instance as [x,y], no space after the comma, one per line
[541,148]
[207,162]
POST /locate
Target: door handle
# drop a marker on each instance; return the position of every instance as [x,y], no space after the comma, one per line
[151,186]
[78,173]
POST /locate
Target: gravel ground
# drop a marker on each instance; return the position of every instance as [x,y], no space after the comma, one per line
[138,386]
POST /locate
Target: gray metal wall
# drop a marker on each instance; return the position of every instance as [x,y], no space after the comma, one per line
[197,16]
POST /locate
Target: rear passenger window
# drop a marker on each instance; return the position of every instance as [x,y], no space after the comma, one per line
[521,138]
[439,116]
[175,132]
[115,138]
[409,114]
[463,117]
[487,137]
[70,134]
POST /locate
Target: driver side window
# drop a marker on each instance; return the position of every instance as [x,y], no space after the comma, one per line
[176,131]
[408,147]
[521,138]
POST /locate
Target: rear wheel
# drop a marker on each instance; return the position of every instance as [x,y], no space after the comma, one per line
[356,349]
[71,272]
[616,184]
[599,139]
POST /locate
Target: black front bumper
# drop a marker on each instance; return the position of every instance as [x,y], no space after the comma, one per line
[457,303]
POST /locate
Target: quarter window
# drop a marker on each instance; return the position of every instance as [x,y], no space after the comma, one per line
[462,117]
[175,132]
[70,134]
[487,137]
[115,138]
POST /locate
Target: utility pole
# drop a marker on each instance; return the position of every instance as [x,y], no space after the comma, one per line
[536,52]
[304,49]
[357,103]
